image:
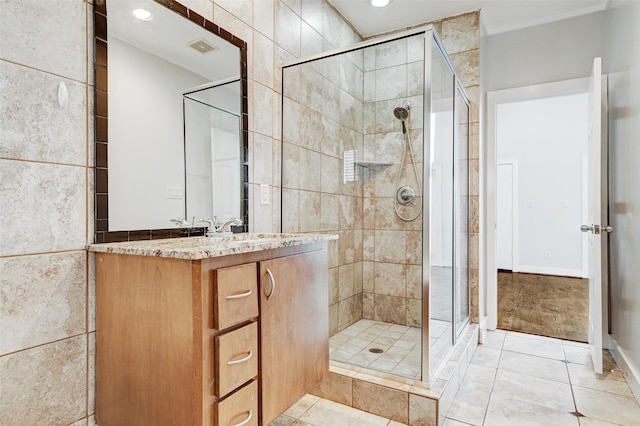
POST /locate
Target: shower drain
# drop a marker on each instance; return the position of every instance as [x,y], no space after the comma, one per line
[376,350]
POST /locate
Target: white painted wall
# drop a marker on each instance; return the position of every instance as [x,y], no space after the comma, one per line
[556,51]
[623,44]
[145,149]
[548,138]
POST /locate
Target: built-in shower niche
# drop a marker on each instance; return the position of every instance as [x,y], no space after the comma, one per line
[359,125]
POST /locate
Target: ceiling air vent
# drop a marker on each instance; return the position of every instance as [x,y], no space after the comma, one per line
[202,46]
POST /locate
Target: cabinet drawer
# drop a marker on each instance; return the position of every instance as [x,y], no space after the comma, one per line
[235,295]
[237,358]
[241,408]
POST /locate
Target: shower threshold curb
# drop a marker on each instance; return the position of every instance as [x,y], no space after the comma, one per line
[382,393]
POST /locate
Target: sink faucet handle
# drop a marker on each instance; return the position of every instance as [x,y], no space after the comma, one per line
[180,221]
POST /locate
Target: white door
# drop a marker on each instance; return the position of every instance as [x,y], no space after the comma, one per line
[597,198]
[504,243]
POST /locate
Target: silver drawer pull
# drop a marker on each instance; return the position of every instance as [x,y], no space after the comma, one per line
[245,421]
[241,360]
[240,296]
[273,284]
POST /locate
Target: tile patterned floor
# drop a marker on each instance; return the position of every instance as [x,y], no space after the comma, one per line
[514,379]
[522,379]
[400,345]
[544,304]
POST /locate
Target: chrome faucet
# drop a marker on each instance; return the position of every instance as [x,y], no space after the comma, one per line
[180,221]
[214,229]
[233,221]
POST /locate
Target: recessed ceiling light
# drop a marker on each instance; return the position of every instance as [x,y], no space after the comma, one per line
[142,14]
[379,3]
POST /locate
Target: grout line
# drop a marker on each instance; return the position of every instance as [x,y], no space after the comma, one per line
[46,344]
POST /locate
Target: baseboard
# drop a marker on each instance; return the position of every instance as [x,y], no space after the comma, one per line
[561,272]
[627,367]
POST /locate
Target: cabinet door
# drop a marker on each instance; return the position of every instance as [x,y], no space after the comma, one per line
[294,329]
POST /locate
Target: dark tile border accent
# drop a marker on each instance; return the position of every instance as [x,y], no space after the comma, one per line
[101,200]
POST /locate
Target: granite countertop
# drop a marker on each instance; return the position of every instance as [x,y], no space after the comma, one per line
[194,248]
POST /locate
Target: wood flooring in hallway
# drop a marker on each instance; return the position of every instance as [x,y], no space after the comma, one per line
[543,304]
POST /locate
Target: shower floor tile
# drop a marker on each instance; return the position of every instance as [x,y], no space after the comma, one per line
[385,347]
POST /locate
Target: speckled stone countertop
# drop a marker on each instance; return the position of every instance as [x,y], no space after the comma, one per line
[194,248]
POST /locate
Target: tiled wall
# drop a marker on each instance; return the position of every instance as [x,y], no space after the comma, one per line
[323,119]
[461,39]
[392,248]
[47,327]
[46,321]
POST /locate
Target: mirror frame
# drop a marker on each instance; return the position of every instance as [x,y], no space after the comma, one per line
[101,137]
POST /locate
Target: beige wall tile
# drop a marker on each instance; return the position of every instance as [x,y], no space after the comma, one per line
[346,278]
[329,212]
[287,29]
[335,387]
[262,59]
[461,33]
[223,18]
[349,311]
[390,246]
[310,40]
[241,9]
[368,306]
[334,321]
[309,221]
[290,212]
[467,66]
[346,247]
[422,411]
[312,13]
[334,286]
[43,299]
[263,155]
[263,101]
[380,400]
[263,17]
[44,43]
[391,309]
[33,125]
[310,163]
[44,207]
[45,385]
[390,279]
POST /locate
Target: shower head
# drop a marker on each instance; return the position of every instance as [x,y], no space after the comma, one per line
[402,114]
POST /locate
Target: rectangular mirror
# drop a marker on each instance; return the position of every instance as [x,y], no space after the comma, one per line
[171,121]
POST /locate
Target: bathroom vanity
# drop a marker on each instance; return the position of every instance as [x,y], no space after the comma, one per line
[201,331]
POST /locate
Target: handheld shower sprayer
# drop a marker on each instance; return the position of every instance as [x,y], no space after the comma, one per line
[405,195]
[402,114]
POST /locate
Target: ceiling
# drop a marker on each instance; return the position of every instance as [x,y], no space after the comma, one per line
[496,15]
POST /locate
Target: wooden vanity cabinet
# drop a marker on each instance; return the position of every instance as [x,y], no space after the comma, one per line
[294,329]
[209,342]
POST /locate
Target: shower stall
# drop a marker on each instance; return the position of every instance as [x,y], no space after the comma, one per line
[375,146]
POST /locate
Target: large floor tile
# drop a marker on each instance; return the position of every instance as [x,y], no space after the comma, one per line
[610,407]
[578,354]
[479,377]
[300,407]
[583,375]
[328,413]
[531,345]
[469,406]
[588,421]
[536,366]
[515,412]
[548,393]
[494,339]
[489,357]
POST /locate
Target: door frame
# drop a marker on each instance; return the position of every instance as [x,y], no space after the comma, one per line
[515,222]
[494,98]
